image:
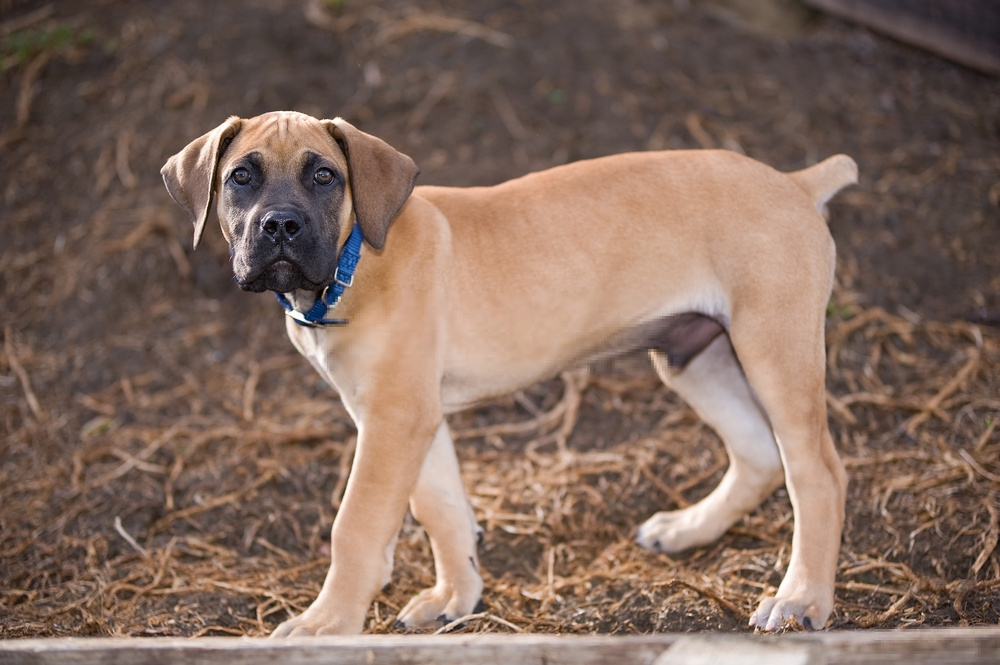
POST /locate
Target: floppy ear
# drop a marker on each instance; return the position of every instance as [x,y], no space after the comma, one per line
[190,174]
[381,178]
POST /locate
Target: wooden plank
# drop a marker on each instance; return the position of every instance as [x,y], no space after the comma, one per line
[474,649]
[934,35]
[959,646]
[966,646]
[734,650]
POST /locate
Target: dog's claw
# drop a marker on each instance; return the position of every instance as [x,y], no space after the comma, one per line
[775,613]
[442,604]
[445,619]
[673,531]
[306,624]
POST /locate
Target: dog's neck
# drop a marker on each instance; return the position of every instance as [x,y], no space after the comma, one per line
[343,277]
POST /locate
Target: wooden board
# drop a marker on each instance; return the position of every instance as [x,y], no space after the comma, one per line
[966,31]
[968,646]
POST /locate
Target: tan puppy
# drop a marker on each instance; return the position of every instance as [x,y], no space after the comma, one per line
[719,265]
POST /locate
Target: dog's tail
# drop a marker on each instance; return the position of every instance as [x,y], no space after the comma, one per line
[821,181]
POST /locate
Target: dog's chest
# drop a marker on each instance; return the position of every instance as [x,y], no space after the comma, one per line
[311,343]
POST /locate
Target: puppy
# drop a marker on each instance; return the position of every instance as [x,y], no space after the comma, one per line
[416,303]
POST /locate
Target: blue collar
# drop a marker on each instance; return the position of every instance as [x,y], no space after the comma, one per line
[343,277]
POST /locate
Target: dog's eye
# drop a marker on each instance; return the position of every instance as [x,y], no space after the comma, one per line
[323,176]
[241,176]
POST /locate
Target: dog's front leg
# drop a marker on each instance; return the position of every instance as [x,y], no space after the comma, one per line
[392,444]
[440,504]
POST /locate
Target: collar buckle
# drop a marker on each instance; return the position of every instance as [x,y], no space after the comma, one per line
[342,283]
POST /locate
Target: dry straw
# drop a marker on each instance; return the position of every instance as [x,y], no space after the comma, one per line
[214,520]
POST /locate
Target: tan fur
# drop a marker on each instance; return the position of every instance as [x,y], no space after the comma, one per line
[480,291]
[825,179]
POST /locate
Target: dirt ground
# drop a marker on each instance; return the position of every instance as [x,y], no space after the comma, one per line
[170,466]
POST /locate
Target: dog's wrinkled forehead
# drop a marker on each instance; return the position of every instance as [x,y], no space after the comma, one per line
[282,139]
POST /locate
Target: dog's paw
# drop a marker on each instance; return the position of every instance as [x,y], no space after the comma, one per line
[440,605]
[674,531]
[311,623]
[776,612]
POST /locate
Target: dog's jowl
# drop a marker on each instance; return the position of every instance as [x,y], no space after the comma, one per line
[418,302]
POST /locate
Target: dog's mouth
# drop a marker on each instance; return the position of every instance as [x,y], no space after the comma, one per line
[281,276]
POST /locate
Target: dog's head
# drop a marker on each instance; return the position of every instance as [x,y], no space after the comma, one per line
[289,188]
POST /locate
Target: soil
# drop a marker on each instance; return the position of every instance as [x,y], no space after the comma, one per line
[170,466]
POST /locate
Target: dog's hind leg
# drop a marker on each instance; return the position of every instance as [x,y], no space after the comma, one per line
[440,504]
[714,385]
[786,366]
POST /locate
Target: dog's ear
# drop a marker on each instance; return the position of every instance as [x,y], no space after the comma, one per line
[381,178]
[190,174]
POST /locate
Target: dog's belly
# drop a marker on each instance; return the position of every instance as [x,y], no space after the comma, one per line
[680,337]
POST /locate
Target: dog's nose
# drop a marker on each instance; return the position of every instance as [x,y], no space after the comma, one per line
[281,225]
